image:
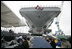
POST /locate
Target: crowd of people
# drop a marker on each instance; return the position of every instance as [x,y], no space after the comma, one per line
[11,41]
[14,42]
[22,41]
[60,43]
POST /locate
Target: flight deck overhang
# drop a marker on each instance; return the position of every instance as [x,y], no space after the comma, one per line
[40,17]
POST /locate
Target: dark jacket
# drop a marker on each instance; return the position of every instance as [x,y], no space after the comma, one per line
[53,44]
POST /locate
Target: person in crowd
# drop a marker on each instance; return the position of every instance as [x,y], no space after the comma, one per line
[25,43]
[3,43]
[65,44]
[53,44]
[59,43]
[10,31]
[9,38]
[48,39]
[69,39]
[28,39]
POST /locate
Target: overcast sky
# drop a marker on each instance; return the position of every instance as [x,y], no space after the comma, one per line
[64,17]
